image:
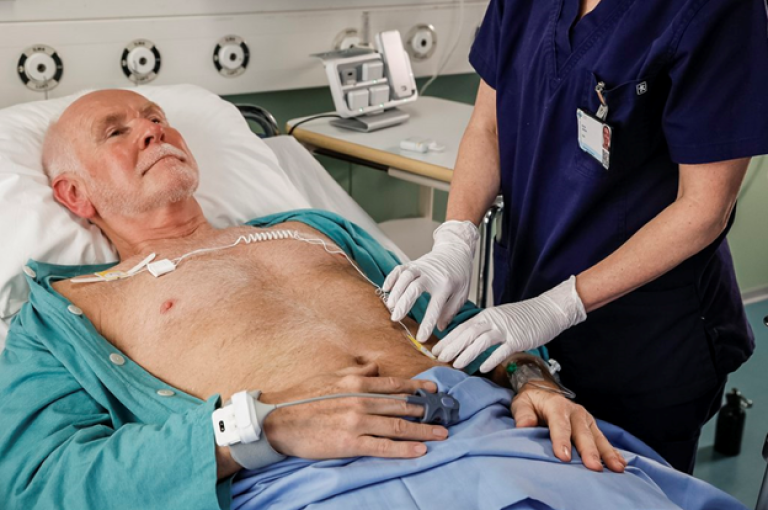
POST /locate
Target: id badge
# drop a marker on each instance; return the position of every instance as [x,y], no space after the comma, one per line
[595,137]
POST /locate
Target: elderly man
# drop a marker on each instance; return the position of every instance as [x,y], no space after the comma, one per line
[103,383]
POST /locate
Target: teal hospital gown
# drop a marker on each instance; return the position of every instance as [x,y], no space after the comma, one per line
[83,427]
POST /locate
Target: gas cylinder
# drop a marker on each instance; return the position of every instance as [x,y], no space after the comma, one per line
[730,423]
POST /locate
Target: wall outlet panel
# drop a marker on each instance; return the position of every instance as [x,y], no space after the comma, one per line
[280,41]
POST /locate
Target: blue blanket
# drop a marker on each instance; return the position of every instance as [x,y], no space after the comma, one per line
[486,463]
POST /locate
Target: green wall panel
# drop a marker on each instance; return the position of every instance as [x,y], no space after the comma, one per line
[749,236]
[382,196]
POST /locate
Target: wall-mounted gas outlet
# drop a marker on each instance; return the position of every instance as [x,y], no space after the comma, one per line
[140,61]
[40,67]
[347,39]
[421,42]
[230,56]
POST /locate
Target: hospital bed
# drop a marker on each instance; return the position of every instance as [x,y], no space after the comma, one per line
[242,177]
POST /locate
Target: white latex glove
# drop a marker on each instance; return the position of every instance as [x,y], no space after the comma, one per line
[445,273]
[518,327]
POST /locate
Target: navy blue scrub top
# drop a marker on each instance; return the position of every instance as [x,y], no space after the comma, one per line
[686,81]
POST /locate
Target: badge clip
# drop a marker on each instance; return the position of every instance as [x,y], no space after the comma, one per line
[602,112]
[595,135]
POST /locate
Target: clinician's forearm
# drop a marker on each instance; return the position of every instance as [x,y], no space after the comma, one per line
[476,178]
[676,234]
[706,197]
[475,182]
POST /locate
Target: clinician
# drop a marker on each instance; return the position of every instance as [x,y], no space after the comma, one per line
[619,132]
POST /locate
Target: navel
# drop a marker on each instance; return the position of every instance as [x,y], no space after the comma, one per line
[167,305]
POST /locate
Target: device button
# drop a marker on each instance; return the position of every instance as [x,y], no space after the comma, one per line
[379,95]
[357,99]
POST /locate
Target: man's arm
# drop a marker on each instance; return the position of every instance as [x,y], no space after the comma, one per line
[348,427]
[61,448]
[570,424]
[706,196]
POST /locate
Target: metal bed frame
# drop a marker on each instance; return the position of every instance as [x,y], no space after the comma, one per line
[265,120]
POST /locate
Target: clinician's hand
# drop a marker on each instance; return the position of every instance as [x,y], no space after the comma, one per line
[445,273]
[568,423]
[350,427]
[517,327]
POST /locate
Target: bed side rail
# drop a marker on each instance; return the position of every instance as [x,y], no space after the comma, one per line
[265,120]
[489,229]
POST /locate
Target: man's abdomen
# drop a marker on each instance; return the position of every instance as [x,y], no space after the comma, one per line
[267,321]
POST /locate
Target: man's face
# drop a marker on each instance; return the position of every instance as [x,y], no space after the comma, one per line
[133,159]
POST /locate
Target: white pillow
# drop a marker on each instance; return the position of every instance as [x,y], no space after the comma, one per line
[240,179]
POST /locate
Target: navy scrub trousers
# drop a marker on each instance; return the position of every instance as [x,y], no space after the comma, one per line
[685,83]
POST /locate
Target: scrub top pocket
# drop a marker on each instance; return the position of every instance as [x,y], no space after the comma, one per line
[635,111]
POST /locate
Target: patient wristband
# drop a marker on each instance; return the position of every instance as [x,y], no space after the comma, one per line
[239,425]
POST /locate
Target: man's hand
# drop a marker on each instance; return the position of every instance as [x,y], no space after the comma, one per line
[445,273]
[350,427]
[517,327]
[568,422]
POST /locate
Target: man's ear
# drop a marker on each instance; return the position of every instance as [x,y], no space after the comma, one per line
[70,192]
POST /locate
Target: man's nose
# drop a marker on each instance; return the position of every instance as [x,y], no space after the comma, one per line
[152,133]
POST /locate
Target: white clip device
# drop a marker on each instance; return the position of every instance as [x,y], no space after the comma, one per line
[240,421]
[236,422]
[160,267]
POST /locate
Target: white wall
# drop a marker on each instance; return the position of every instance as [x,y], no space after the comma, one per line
[89,36]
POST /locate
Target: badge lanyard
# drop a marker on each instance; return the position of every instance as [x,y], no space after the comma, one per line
[595,134]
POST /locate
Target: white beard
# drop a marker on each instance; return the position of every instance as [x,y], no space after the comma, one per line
[109,200]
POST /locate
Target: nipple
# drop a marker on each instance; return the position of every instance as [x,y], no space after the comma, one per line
[166,306]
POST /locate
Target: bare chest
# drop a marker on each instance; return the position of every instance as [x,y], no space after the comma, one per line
[261,315]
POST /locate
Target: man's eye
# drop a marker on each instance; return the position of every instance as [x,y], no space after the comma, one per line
[157,120]
[116,132]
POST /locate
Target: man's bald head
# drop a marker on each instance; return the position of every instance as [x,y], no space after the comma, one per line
[60,146]
[114,152]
